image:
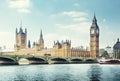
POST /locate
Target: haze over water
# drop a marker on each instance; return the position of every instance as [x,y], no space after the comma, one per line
[64,72]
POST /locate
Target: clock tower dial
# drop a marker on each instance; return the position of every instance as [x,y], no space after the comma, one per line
[92,31]
[97,31]
[94,39]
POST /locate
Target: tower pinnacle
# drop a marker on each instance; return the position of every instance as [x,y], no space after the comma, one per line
[94,22]
[94,19]
[118,40]
[41,41]
[41,35]
[29,44]
[94,16]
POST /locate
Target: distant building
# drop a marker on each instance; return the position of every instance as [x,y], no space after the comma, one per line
[116,50]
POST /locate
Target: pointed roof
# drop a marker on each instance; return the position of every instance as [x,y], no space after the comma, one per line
[94,19]
[20,30]
[29,44]
[118,40]
[41,35]
[117,45]
[25,30]
[94,22]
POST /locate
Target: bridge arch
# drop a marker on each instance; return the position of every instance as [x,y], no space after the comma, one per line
[90,60]
[76,60]
[23,61]
[7,61]
[58,60]
[32,60]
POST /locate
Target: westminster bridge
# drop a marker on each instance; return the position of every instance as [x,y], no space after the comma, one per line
[27,59]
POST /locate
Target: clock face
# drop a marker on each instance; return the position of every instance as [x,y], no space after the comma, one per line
[92,31]
[97,31]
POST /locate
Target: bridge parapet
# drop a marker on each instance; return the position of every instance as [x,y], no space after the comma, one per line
[46,59]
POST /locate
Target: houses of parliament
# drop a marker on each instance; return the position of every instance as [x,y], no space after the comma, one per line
[60,49]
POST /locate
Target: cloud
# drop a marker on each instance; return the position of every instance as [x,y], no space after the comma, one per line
[76,4]
[21,6]
[80,19]
[78,23]
[23,11]
[82,27]
[51,37]
[104,20]
[7,39]
[74,14]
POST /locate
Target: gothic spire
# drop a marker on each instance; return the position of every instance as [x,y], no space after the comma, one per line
[118,40]
[94,19]
[25,30]
[29,44]
[94,22]
[21,30]
[41,35]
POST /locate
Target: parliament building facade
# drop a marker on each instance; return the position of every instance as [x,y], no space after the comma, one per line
[60,49]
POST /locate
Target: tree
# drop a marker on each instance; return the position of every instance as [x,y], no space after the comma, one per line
[105,54]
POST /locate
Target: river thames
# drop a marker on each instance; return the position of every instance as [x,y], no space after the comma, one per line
[61,72]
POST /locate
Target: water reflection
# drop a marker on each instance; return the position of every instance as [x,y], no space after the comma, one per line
[115,72]
[58,73]
[66,72]
[94,73]
[18,73]
[29,73]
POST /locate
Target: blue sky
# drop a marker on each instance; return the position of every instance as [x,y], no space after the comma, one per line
[60,20]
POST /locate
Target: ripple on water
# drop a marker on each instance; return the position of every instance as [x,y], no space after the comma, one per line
[65,72]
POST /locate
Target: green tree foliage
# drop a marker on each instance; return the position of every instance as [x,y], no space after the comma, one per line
[105,54]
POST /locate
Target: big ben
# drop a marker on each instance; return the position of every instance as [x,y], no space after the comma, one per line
[94,39]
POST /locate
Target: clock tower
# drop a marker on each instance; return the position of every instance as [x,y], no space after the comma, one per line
[94,39]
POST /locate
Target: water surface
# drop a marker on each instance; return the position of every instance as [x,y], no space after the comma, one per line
[62,72]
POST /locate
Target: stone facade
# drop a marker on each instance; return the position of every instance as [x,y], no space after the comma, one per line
[94,39]
[116,50]
[60,49]
[21,39]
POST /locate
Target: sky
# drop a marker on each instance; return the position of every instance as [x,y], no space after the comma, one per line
[59,20]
